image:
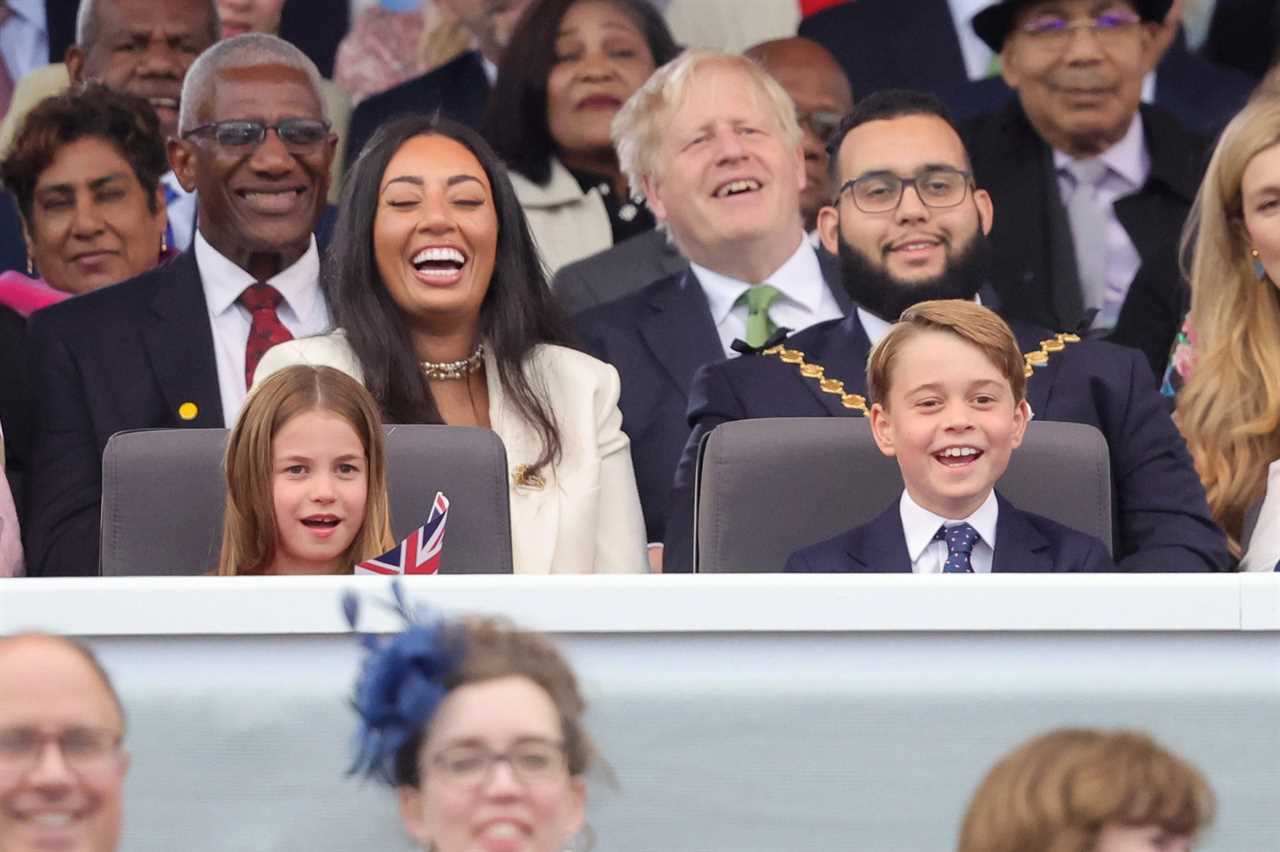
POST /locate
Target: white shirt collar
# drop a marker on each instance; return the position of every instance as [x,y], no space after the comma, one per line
[920,525]
[799,279]
[1128,158]
[224,281]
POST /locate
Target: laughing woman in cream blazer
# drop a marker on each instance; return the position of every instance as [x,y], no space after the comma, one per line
[442,311]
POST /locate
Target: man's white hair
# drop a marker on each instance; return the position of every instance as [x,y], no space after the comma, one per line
[638,127]
[243,51]
[87,23]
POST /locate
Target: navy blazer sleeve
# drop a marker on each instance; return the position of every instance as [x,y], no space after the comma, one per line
[1165,525]
[63,488]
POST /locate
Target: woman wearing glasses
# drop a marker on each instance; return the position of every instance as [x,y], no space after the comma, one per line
[443,312]
[479,728]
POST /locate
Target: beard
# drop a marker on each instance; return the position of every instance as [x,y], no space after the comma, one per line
[874,289]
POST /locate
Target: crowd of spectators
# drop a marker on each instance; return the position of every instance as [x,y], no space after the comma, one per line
[191,202]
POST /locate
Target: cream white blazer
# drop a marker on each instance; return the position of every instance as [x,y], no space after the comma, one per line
[567,223]
[586,518]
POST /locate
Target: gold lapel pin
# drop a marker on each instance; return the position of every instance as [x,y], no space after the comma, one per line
[188,411]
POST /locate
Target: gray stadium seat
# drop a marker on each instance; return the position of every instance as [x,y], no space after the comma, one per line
[770,486]
[163,497]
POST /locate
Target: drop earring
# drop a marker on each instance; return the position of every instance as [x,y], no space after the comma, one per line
[164,244]
[1259,270]
[31,271]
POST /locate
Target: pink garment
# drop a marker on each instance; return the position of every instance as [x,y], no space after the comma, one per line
[381,51]
[27,295]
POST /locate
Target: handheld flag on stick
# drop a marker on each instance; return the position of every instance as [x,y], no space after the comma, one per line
[420,552]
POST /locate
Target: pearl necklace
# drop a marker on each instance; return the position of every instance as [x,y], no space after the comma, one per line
[454,369]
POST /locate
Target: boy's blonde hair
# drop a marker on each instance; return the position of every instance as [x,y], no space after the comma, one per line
[1056,792]
[249,524]
[969,321]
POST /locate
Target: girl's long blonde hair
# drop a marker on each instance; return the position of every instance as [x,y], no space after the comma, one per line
[249,524]
[1229,408]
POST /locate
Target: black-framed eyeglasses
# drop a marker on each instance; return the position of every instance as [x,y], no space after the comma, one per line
[1053,32]
[822,123]
[297,133]
[533,762]
[880,192]
[85,750]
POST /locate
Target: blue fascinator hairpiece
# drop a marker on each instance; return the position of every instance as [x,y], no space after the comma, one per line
[401,683]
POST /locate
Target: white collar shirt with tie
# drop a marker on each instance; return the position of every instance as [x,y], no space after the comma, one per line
[1105,241]
[805,297]
[927,554]
[303,311]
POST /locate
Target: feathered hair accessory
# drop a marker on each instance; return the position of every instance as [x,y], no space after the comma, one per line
[401,683]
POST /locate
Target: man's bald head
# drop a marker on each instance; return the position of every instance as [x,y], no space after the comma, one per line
[818,86]
[20,644]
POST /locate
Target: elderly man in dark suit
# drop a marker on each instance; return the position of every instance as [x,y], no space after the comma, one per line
[1093,187]
[177,346]
[909,225]
[459,89]
[813,79]
[713,141]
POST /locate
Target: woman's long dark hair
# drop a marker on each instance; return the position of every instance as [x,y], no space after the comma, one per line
[516,121]
[517,313]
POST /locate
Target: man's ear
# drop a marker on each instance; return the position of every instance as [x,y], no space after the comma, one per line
[1009,64]
[986,209]
[829,229]
[653,197]
[75,63]
[882,430]
[182,159]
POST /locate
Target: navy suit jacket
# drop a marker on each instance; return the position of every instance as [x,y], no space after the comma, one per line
[657,338]
[60,24]
[124,357]
[1025,543]
[892,44]
[458,90]
[1162,519]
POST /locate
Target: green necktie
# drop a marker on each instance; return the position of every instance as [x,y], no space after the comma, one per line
[758,298]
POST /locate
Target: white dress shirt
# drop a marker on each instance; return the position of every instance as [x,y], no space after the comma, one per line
[24,39]
[928,556]
[1128,166]
[303,311]
[181,210]
[805,297]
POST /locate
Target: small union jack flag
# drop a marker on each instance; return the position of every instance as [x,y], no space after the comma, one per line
[420,552]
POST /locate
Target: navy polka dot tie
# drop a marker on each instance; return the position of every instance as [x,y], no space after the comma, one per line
[960,540]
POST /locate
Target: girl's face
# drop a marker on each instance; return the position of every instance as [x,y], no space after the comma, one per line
[319,485]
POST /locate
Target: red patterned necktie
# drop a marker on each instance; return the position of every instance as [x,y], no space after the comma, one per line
[266,330]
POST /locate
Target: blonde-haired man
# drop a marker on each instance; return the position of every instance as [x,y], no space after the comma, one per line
[712,143]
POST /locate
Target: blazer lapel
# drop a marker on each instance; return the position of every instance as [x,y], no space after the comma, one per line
[830,265]
[179,343]
[880,547]
[842,352]
[1020,547]
[1041,381]
[679,331]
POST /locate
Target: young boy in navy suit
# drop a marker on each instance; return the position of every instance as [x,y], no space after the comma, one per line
[951,389]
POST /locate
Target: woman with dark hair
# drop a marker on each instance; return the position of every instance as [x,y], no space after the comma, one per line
[564,76]
[443,312]
[85,170]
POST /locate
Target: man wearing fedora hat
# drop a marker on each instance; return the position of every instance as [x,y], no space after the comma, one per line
[1092,185]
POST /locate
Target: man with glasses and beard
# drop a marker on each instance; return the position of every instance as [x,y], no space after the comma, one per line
[909,224]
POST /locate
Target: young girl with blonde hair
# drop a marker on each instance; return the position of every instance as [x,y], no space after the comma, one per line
[306,477]
[1228,405]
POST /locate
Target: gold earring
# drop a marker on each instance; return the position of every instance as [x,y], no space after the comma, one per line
[31,272]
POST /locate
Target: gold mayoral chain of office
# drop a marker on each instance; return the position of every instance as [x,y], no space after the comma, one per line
[857,402]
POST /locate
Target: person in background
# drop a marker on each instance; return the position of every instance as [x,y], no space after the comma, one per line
[459,89]
[177,346]
[443,312]
[1226,369]
[817,86]
[951,408]
[1087,790]
[713,142]
[85,172]
[570,67]
[33,33]
[306,472]
[471,722]
[62,731]
[395,40]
